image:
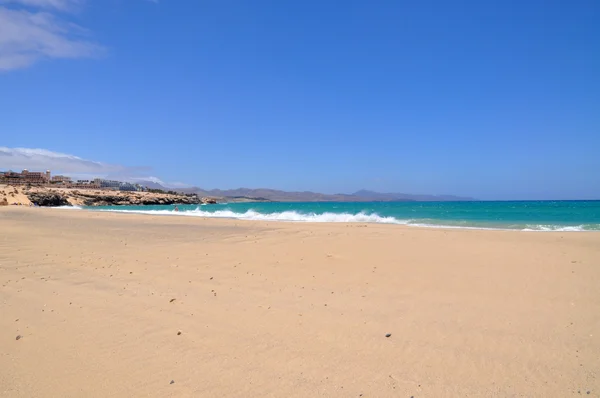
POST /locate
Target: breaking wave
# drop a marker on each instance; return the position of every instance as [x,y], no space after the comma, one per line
[362,217]
[283,216]
[74,207]
[562,228]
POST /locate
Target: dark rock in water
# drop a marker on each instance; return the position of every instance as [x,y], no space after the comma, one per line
[388,335]
[49,199]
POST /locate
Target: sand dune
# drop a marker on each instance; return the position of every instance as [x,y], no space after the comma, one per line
[292,310]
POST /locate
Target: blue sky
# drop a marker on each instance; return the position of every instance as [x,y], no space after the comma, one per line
[491,99]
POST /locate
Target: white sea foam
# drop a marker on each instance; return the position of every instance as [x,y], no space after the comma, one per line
[74,207]
[556,228]
[283,216]
[293,216]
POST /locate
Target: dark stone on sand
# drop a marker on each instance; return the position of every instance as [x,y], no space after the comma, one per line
[172,382]
[179,333]
[19,337]
[49,199]
[388,335]
[170,301]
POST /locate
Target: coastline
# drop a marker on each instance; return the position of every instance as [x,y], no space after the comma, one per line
[523,216]
[57,196]
[291,309]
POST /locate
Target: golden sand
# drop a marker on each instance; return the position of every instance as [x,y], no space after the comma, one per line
[119,305]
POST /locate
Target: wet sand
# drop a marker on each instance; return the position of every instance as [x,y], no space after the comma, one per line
[125,305]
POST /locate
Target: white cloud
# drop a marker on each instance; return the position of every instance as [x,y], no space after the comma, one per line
[61,5]
[27,36]
[35,159]
[42,159]
[149,178]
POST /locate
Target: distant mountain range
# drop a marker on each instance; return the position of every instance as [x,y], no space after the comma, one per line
[392,197]
[307,196]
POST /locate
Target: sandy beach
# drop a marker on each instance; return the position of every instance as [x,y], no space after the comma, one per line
[122,305]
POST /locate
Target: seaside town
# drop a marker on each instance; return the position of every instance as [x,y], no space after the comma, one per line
[35,188]
[38,178]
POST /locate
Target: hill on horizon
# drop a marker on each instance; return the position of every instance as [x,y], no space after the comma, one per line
[308,196]
[386,197]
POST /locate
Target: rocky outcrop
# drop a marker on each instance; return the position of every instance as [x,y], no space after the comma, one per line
[50,199]
[133,199]
[44,196]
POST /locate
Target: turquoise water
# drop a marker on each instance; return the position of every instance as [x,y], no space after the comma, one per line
[526,215]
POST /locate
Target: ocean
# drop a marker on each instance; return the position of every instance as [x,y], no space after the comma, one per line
[517,215]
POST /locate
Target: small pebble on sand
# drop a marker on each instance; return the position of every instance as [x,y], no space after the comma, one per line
[170,301]
[19,337]
[172,382]
[179,333]
[388,335]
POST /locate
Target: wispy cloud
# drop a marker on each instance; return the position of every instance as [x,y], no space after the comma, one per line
[61,5]
[42,159]
[36,159]
[32,30]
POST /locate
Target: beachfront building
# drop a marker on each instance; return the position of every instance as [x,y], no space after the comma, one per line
[109,184]
[126,186]
[118,185]
[61,180]
[85,184]
[11,178]
[35,177]
[25,177]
